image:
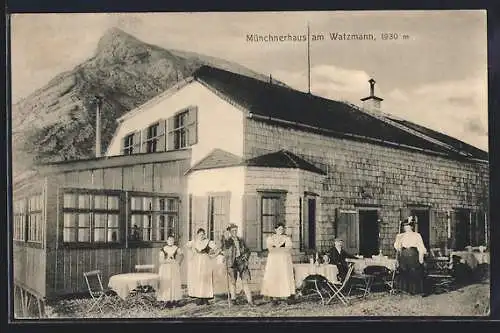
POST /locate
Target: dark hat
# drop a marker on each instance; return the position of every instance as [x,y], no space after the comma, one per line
[231,226]
[338,239]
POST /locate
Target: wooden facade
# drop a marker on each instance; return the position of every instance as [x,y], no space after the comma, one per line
[54,266]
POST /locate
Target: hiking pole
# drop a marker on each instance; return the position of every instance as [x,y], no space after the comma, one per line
[228,287]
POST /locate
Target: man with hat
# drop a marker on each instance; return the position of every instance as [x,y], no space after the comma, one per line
[236,255]
[338,257]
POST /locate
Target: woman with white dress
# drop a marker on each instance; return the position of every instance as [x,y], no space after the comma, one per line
[200,268]
[170,259]
[278,281]
[410,252]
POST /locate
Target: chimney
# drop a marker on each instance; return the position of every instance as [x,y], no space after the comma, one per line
[98,145]
[372,102]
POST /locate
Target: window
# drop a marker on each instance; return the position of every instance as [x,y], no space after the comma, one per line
[182,129]
[91,216]
[35,219]
[19,228]
[131,143]
[272,212]
[152,138]
[128,144]
[152,218]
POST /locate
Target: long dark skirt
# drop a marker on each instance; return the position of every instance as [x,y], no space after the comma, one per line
[411,278]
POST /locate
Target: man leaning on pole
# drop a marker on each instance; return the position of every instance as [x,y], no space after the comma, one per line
[236,256]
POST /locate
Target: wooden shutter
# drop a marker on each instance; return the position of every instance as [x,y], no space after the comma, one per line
[171,134]
[348,229]
[144,137]
[438,228]
[161,144]
[199,213]
[192,127]
[137,142]
[252,225]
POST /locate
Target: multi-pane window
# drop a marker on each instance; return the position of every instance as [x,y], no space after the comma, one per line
[19,227]
[153,218]
[180,136]
[35,218]
[152,138]
[128,144]
[272,212]
[91,217]
[183,129]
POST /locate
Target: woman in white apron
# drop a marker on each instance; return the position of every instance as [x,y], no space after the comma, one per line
[170,259]
[278,281]
[200,268]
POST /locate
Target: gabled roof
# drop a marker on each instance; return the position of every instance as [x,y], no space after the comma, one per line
[283,159]
[271,101]
[219,158]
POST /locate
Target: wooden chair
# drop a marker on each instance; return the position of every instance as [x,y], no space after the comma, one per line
[99,294]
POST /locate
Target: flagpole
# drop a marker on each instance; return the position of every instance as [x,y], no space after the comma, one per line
[308,59]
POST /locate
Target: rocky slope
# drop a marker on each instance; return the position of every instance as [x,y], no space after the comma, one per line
[57,122]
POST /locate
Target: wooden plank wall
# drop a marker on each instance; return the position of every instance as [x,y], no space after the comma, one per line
[29,267]
[65,266]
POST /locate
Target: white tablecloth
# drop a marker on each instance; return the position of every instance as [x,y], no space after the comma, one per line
[361,264]
[123,284]
[301,271]
[473,258]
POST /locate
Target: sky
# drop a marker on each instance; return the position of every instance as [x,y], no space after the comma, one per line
[436,77]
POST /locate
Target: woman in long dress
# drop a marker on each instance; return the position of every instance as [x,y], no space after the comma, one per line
[410,252]
[200,268]
[170,258]
[278,281]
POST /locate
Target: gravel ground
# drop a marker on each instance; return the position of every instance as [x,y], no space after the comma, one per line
[471,300]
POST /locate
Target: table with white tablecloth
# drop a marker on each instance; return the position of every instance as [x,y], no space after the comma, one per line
[362,263]
[123,284]
[301,271]
[472,259]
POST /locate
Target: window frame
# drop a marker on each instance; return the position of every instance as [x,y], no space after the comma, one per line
[129,144]
[280,195]
[26,225]
[92,211]
[155,218]
[185,135]
[151,140]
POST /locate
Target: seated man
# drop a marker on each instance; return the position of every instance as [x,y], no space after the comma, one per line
[338,257]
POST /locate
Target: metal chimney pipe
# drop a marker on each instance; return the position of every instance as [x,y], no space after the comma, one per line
[98,145]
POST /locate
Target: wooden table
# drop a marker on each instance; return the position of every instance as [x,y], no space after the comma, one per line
[301,271]
[123,284]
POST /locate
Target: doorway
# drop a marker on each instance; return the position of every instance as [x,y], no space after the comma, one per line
[423,224]
[368,233]
[309,227]
[462,234]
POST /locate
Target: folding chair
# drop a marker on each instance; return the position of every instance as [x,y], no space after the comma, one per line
[440,277]
[338,288]
[381,276]
[98,293]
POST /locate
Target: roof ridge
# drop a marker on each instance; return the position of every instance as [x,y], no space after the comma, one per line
[419,134]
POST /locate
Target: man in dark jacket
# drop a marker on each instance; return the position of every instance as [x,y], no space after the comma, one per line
[236,255]
[338,257]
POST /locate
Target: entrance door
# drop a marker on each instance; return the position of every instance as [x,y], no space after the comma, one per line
[368,233]
[423,225]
